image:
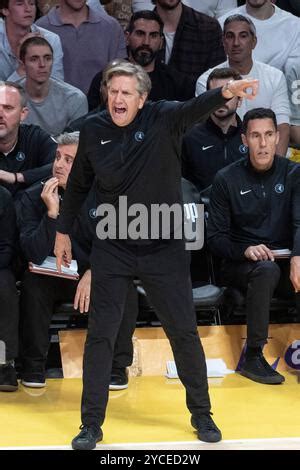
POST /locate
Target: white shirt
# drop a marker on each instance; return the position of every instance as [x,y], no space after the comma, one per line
[278,38]
[169,37]
[272,91]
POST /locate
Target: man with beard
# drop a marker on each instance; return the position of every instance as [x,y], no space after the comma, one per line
[216,143]
[144,41]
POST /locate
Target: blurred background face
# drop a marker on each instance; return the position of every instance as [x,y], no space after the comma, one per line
[11,112]
[20,12]
[229,108]
[261,138]
[257,3]
[168,4]
[144,41]
[38,62]
[75,5]
[123,99]
[238,41]
[64,159]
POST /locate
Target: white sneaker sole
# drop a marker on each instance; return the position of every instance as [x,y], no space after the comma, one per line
[118,387]
[33,384]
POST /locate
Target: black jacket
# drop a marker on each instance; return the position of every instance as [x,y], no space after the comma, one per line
[206,149]
[167,84]
[7,228]
[250,208]
[32,156]
[37,230]
[197,44]
[140,161]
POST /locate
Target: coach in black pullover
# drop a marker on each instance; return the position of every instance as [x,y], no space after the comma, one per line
[254,209]
[133,150]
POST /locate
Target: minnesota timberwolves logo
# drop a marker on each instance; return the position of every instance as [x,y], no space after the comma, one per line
[93,213]
[139,136]
[279,188]
[20,157]
[243,149]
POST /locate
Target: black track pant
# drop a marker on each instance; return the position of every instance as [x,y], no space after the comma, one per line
[165,273]
[259,280]
[38,298]
[9,313]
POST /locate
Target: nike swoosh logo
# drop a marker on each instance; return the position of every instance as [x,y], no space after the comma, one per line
[103,142]
[245,192]
[205,148]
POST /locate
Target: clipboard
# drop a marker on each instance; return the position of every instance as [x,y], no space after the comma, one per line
[48,268]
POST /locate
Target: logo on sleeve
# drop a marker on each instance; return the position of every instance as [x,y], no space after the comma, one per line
[279,188]
[139,136]
[243,149]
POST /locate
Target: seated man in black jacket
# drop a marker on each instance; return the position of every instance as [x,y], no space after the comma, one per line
[40,207]
[255,209]
[9,312]
[26,151]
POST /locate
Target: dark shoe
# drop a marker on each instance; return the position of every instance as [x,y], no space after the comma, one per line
[8,378]
[118,379]
[33,380]
[87,438]
[258,369]
[206,429]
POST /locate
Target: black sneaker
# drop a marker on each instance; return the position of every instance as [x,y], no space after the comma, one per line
[33,380]
[118,379]
[258,369]
[87,438]
[206,429]
[8,378]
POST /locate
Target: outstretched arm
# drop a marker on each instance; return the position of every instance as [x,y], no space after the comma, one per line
[182,116]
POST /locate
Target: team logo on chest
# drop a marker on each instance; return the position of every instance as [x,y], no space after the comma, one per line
[20,157]
[279,188]
[139,136]
[93,213]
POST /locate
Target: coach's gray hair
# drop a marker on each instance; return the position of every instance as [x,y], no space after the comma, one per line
[67,138]
[123,67]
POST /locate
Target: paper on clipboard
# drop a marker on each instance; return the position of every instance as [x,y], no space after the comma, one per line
[48,267]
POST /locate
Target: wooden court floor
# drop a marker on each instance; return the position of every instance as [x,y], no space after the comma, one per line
[151,414]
